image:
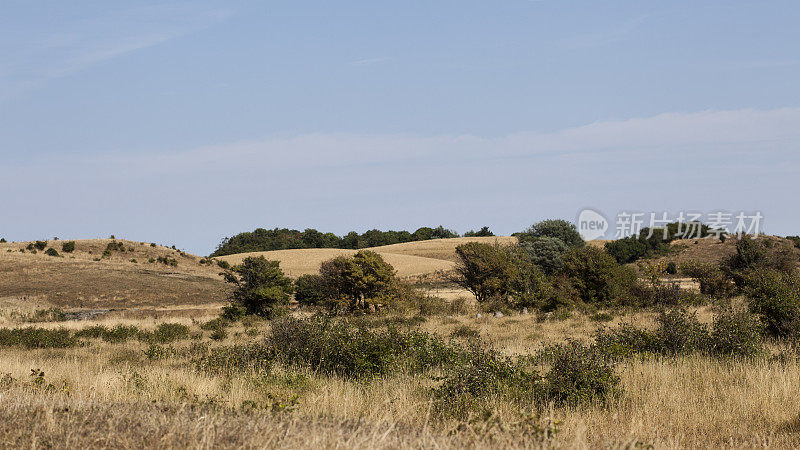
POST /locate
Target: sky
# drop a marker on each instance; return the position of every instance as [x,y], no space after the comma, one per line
[183,123]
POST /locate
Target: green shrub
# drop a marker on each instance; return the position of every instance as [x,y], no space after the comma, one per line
[597,277]
[168,261]
[545,252]
[713,280]
[32,337]
[51,252]
[737,333]
[579,375]
[671,268]
[345,349]
[680,333]
[310,289]
[495,273]
[3,240]
[39,245]
[92,332]
[169,332]
[121,333]
[259,285]
[775,297]
[553,228]
[626,340]
[218,335]
[68,247]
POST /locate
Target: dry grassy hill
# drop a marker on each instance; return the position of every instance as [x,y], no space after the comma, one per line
[307,261]
[87,279]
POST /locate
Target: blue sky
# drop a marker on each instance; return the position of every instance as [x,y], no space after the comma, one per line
[182,123]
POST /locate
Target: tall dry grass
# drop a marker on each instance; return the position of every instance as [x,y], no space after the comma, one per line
[104,394]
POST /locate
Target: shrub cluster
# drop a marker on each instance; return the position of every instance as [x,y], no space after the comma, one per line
[733,333]
[68,247]
[34,337]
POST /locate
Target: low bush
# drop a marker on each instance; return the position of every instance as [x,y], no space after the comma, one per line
[167,261]
[580,374]
[40,245]
[68,247]
[713,280]
[339,347]
[51,252]
[33,337]
[309,290]
[737,333]
[166,333]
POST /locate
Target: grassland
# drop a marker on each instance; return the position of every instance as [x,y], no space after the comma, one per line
[135,393]
[123,394]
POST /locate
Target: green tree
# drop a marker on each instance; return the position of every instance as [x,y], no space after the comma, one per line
[483,232]
[358,281]
[310,289]
[546,252]
[554,228]
[260,285]
[597,276]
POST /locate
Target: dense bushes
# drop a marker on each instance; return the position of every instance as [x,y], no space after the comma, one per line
[68,247]
[499,274]
[647,244]
[33,337]
[341,348]
[580,374]
[259,285]
[733,333]
[597,277]
[309,290]
[775,296]
[283,238]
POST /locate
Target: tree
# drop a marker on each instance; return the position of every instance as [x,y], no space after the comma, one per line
[260,285]
[484,231]
[494,272]
[597,276]
[546,252]
[310,289]
[554,228]
[358,281]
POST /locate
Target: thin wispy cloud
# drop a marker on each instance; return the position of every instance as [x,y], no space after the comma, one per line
[33,60]
[605,37]
[369,61]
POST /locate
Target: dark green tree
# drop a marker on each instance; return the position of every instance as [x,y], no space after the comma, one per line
[260,285]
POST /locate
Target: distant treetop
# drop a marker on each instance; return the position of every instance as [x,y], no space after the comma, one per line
[261,240]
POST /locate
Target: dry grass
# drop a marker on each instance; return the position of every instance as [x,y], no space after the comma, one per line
[112,395]
[76,280]
[307,261]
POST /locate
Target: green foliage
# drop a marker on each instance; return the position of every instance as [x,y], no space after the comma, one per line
[166,333]
[483,232]
[495,273]
[3,240]
[737,333]
[713,280]
[259,285]
[545,252]
[357,282]
[755,255]
[580,375]
[597,277]
[167,261]
[33,337]
[671,268]
[733,333]
[310,289]
[775,296]
[68,247]
[283,238]
[552,228]
[795,240]
[51,252]
[339,347]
